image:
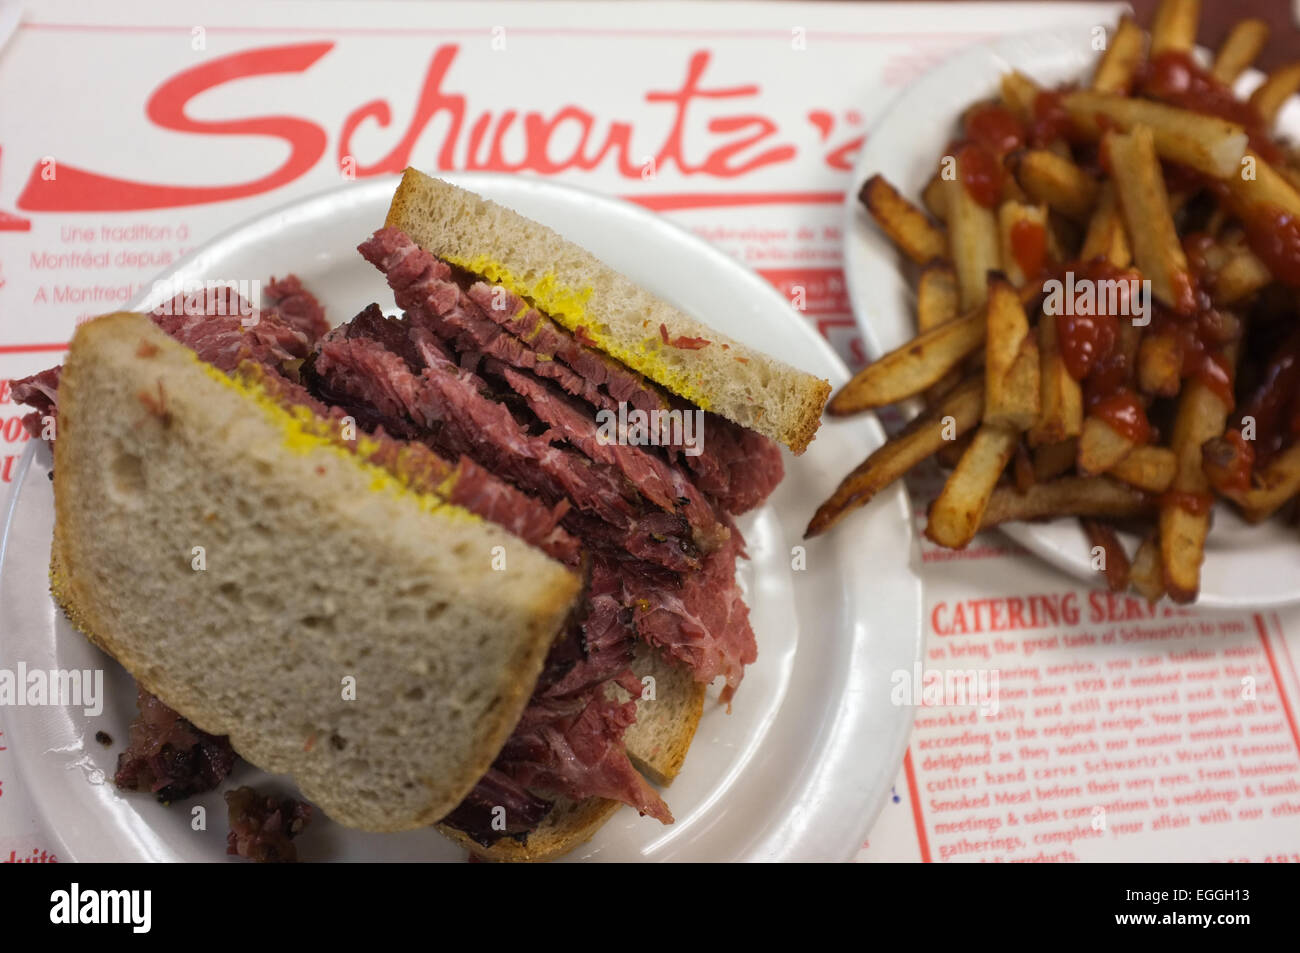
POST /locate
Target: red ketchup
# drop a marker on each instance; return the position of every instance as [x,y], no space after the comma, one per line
[1029,247]
[981,174]
[1274,235]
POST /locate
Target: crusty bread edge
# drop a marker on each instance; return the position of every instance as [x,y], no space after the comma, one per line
[796,432]
[805,424]
[680,745]
[554,838]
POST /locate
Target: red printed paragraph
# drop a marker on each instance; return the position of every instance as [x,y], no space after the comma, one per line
[1115,721]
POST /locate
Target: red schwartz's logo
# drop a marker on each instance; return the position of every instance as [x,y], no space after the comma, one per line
[741,142]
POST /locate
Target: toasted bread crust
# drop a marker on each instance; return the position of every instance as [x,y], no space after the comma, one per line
[575,288]
[659,740]
[567,827]
[657,746]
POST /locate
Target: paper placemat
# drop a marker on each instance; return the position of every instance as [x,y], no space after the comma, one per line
[132,132]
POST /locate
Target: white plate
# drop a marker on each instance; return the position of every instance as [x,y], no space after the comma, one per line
[797,771]
[1245,566]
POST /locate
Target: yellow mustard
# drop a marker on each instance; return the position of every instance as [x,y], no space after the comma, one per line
[304,432]
[568,306]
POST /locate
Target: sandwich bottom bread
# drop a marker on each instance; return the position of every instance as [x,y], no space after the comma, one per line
[464,566]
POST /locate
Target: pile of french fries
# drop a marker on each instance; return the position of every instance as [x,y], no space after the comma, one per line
[1001,406]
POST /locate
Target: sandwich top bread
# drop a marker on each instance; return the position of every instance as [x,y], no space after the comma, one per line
[577,289]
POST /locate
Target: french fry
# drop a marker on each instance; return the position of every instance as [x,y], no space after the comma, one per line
[1184,513]
[1012,192]
[1241,275]
[1059,147]
[1051,460]
[1061,398]
[1272,486]
[1281,84]
[1292,175]
[1147,468]
[1062,233]
[1022,468]
[1047,177]
[1215,252]
[1128,341]
[937,297]
[1160,365]
[1011,394]
[1145,572]
[973,239]
[1023,240]
[1224,460]
[1019,93]
[910,369]
[1144,203]
[1101,446]
[1105,237]
[1243,44]
[958,413]
[1120,63]
[950,454]
[905,224]
[1182,549]
[945,385]
[1278,483]
[935,198]
[1174,27]
[1060,236]
[1208,144]
[1265,186]
[1114,564]
[917,365]
[956,514]
[1069,496]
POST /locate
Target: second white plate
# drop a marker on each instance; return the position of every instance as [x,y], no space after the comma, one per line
[1245,566]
